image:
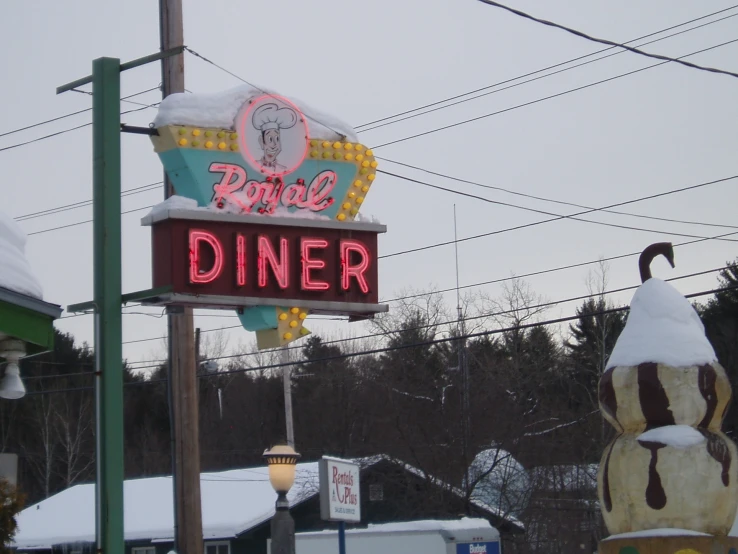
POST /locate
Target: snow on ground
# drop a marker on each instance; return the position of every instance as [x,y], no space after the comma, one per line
[662,327]
[220,109]
[677,436]
[15,272]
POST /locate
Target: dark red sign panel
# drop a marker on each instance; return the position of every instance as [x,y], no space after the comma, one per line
[315,262]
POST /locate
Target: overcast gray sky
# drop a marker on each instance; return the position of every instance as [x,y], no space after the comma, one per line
[660,129]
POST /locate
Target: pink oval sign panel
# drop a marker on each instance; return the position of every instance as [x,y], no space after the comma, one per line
[272,134]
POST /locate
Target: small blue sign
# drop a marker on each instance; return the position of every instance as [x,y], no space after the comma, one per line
[478,548]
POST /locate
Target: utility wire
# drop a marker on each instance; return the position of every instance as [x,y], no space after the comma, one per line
[211,62]
[468,318]
[550,67]
[83,222]
[557,216]
[68,115]
[431,342]
[452,289]
[250,84]
[38,139]
[386,349]
[552,200]
[533,224]
[419,113]
[558,94]
[607,42]
[83,203]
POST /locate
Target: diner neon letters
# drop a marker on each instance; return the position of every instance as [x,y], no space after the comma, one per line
[197,274]
[207,257]
[308,264]
[265,196]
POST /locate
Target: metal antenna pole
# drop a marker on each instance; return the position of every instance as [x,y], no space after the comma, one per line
[463,366]
[284,357]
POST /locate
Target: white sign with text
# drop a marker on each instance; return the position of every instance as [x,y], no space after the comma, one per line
[340,497]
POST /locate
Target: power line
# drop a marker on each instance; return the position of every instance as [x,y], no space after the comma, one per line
[18,145]
[83,222]
[472,285]
[550,67]
[558,216]
[38,139]
[413,115]
[607,42]
[69,114]
[533,224]
[558,94]
[443,340]
[312,116]
[414,136]
[84,203]
[467,318]
[554,201]
[386,349]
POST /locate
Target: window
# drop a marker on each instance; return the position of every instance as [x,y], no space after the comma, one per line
[217,548]
[376,493]
[144,550]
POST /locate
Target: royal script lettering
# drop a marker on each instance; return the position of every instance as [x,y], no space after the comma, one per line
[264,196]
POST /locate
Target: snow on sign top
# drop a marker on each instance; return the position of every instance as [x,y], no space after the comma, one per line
[662,327]
[221,109]
[15,272]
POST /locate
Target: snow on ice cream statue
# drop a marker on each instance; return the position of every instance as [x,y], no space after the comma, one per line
[668,482]
[252,152]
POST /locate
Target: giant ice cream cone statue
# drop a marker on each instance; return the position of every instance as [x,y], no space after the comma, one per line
[669,479]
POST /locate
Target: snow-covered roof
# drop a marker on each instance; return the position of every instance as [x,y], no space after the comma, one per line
[233,501]
[69,516]
[439,483]
[662,327]
[219,110]
[15,272]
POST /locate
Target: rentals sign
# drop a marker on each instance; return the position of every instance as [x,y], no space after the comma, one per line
[340,497]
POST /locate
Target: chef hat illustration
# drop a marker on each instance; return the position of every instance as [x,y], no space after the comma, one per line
[271,116]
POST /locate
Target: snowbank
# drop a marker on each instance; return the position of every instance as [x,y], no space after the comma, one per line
[432,525]
[662,327]
[676,436]
[15,272]
[221,108]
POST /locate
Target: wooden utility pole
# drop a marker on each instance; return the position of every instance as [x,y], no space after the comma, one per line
[183,390]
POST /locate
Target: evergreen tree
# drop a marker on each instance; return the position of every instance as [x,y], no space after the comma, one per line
[593,336]
[11,502]
[720,317]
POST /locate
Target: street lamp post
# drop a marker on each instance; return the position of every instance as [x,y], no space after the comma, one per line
[282,460]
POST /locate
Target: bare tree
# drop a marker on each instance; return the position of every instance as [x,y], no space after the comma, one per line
[72,421]
[42,418]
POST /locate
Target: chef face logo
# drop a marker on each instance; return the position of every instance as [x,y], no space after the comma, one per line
[273,133]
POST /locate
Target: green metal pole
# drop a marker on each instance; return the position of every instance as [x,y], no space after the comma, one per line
[108,325]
